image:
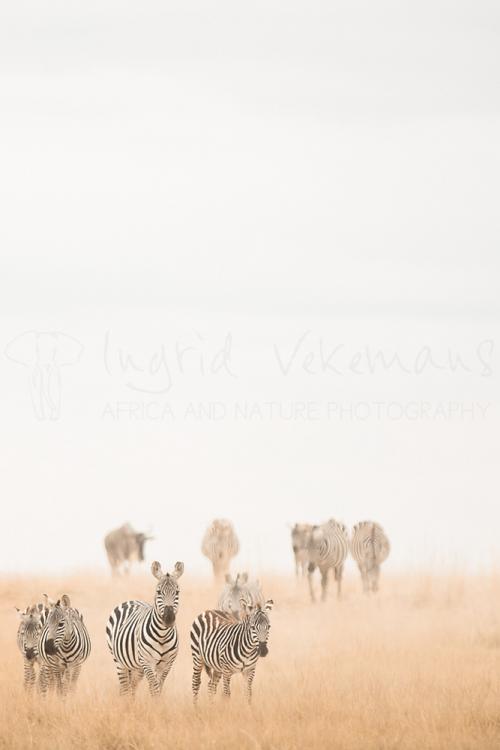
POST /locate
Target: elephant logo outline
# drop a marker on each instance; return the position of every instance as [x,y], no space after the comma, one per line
[44,353]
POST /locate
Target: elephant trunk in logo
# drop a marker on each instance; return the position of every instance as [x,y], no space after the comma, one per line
[44,353]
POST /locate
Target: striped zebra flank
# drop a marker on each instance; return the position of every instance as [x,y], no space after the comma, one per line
[370,548]
[327,549]
[32,620]
[63,648]
[220,544]
[142,637]
[223,646]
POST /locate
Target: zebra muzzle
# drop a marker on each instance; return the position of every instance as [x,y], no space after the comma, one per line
[263,649]
[29,653]
[50,647]
[169,616]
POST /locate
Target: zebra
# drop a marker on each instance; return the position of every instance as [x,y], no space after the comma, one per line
[301,534]
[30,627]
[369,548]
[327,548]
[123,546]
[229,600]
[224,646]
[63,647]
[142,637]
[236,589]
[220,544]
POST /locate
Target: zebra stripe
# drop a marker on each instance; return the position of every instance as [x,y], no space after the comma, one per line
[28,635]
[369,548]
[63,647]
[327,548]
[223,646]
[142,638]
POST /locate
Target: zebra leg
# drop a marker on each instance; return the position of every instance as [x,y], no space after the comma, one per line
[310,571]
[124,678]
[249,674]
[29,675]
[324,584]
[56,680]
[135,678]
[338,577]
[227,685]
[72,677]
[153,682]
[212,684]
[163,670]
[196,681]
[43,680]
[364,580]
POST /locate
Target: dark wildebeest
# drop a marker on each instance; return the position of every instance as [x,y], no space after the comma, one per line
[124,546]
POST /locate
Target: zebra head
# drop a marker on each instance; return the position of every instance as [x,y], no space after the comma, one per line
[235,589]
[29,631]
[314,544]
[301,533]
[257,619]
[60,623]
[166,598]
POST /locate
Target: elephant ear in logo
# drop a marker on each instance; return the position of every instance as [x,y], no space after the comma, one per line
[44,353]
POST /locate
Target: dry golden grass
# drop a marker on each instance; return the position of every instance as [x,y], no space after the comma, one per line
[416,667]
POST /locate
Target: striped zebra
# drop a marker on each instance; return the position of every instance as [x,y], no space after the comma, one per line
[143,638]
[223,646]
[369,548]
[220,544]
[63,648]
[301,534]
[327,548]
[30,627]
[237,589]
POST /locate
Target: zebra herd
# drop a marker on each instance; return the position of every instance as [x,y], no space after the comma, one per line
[52,636]
[142,637]
[143,641]
[326,547]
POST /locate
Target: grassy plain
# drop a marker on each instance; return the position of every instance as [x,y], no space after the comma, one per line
[417,666]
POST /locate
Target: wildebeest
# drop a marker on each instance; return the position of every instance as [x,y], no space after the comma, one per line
[124,546]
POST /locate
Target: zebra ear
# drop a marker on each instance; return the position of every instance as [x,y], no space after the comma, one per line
[244,577]
[269,605]
[47,602]
[65,601]
[156,570]
[178,569]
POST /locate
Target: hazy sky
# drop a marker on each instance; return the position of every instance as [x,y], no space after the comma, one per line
[250,268]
